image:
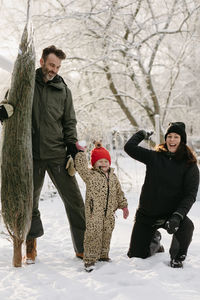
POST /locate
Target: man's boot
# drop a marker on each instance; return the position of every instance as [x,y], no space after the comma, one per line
[31,251]
[79,255]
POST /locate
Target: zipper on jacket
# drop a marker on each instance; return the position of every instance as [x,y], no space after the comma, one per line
[91,206]
[108,191]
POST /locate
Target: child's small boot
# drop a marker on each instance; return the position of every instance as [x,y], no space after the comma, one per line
[106,259]
[89,267]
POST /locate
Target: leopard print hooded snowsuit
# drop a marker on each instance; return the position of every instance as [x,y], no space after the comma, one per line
[103,197]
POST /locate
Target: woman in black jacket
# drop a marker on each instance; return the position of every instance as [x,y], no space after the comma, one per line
[168,193]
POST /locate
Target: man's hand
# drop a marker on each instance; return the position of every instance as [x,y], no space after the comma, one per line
[71,150]
[173,223]
[6,111]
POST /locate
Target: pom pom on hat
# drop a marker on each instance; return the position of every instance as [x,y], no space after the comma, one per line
[99,152]
[179,128]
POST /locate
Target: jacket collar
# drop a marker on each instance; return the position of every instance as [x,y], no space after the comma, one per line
[111,171]
[57,82]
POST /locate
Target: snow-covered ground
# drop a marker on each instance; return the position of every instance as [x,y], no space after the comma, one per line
[59,275]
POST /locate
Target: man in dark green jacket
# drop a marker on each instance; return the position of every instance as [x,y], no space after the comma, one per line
[54,136]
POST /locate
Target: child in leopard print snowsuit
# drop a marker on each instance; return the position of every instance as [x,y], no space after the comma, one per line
[103,197]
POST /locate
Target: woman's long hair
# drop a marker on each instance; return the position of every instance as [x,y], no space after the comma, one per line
[183,152]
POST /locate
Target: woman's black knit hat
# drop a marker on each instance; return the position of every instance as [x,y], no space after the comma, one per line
[179,128]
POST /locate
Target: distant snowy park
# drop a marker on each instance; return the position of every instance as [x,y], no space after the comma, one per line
[59,275]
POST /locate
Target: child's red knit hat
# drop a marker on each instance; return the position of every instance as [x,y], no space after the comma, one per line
[99,152]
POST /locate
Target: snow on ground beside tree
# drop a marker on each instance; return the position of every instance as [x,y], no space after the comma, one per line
[59,275]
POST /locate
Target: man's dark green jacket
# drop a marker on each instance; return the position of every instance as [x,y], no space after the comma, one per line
[53,118]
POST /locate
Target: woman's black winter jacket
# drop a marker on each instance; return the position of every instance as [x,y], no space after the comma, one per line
[170,185]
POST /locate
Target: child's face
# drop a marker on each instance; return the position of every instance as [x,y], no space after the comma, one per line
[103,164]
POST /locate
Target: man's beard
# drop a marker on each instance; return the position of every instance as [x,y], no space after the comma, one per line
[46,74]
